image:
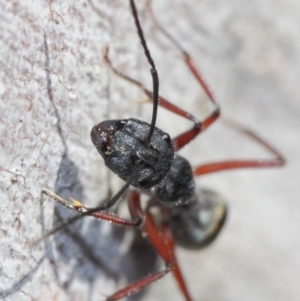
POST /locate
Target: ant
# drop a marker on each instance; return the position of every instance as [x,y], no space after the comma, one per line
[144,157]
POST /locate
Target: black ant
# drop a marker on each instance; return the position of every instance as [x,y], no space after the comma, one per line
[144,157]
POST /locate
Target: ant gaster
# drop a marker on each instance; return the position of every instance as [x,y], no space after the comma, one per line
[143,156]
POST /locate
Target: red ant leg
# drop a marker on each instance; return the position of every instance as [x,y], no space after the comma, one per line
[162,242]
[233,164]
[136,286]
[189,61]
[185,138]
[168,239]
[78,206]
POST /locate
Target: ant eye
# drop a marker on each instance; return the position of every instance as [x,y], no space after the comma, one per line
[167,138]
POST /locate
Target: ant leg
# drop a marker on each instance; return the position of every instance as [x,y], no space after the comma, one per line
[188,59]
[83,210]
[185,138]
[278,160]
[77,206]
[167,237]
[162,242]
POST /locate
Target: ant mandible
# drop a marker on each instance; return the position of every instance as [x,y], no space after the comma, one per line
[144,157]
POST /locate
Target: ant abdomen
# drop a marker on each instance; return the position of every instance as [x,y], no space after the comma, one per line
[124,147]
[196,225]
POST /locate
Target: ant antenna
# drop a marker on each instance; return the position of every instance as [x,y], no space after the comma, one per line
[152,70]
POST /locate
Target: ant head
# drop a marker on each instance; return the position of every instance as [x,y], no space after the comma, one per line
[124,147]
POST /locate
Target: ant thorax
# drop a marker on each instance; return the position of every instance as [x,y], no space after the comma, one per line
[178,187]
[124,147]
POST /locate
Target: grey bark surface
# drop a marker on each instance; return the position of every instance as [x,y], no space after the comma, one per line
[55,86]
